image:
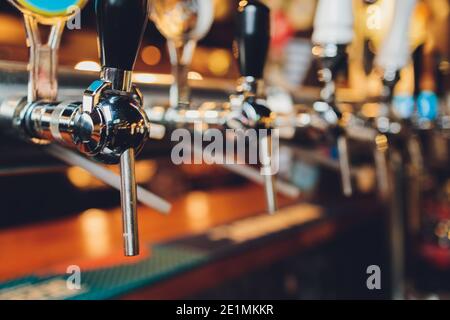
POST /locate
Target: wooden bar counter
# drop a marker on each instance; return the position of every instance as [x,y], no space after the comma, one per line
[93,239]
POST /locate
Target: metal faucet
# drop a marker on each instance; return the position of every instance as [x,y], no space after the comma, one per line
[109,125]
[333,31]
[247,109]
[403,143]
[251,48]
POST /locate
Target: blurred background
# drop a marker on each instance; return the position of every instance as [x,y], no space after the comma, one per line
[292,25]
[75,217]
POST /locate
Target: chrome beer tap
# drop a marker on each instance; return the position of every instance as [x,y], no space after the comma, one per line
[393,56]
[251,49]
[333,32]
[109,124]
[247,109]
[113,125]
[395,124]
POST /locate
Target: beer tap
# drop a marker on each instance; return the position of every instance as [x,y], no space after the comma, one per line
[395,51]
[395,124]
[109,124]
[183,23]
[251,49]
[121,26]
[333,31]
[431,113]
[394,55]
[247,109]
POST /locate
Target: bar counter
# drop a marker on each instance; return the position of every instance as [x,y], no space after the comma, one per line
[92,240]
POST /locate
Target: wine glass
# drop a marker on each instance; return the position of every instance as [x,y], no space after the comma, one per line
[183,23]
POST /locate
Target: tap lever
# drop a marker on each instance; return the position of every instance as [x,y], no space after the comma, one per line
[395,50]
[121,25]
[252,38]
[333,24]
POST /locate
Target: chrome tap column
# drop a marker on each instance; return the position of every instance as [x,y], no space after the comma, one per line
[121,26]
[251,48]
[403,144]
[333,31]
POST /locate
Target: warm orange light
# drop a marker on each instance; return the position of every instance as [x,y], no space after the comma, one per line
[374,17]
[11,30]
[151,55]
[192,75]
[219,62]
[145,170]
[150,78]
[198,211]
[81,179]
[144,78]
[88,66]
[316,51]
[370,110]
[222,9]
[382,143]
[96,232]
[366,179]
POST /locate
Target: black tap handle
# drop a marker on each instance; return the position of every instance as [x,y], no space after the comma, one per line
[121,25]
[252,37]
